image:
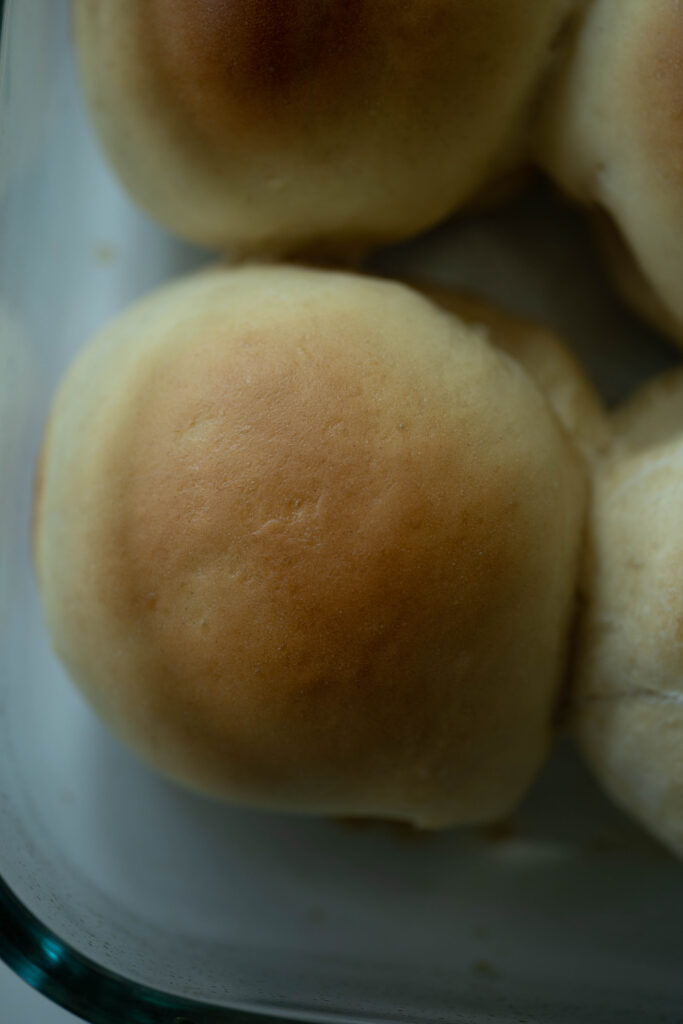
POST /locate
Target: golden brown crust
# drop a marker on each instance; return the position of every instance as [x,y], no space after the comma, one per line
[305,451]
[247,62]
[277,125]
[268,65]
[301,565]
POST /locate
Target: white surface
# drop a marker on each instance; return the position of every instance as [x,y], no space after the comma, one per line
[20,1004]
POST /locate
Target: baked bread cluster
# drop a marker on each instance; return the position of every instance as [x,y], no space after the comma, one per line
[320,542]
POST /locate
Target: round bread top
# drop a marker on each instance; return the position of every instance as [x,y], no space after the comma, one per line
[307,541]
[277,124]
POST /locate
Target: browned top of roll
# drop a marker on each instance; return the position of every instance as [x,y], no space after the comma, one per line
[266,123]
[306,541]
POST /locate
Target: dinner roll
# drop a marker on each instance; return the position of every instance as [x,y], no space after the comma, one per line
[549,362]
[266,125]
[628,698]
[612,136]
[309,543]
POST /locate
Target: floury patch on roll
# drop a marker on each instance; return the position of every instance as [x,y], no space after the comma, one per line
[628,696]
[283,125]
[612,137]
[306,541]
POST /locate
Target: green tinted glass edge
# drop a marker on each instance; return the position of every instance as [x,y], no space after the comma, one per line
[91,992]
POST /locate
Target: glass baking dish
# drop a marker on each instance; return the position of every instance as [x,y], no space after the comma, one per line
[126,899]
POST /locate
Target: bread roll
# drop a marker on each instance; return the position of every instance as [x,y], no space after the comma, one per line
[628,698]
[309,543]
[612,136]
[280,126]
[551,365]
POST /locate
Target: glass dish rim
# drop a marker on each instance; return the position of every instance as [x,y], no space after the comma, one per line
[49,965]
[79,985]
